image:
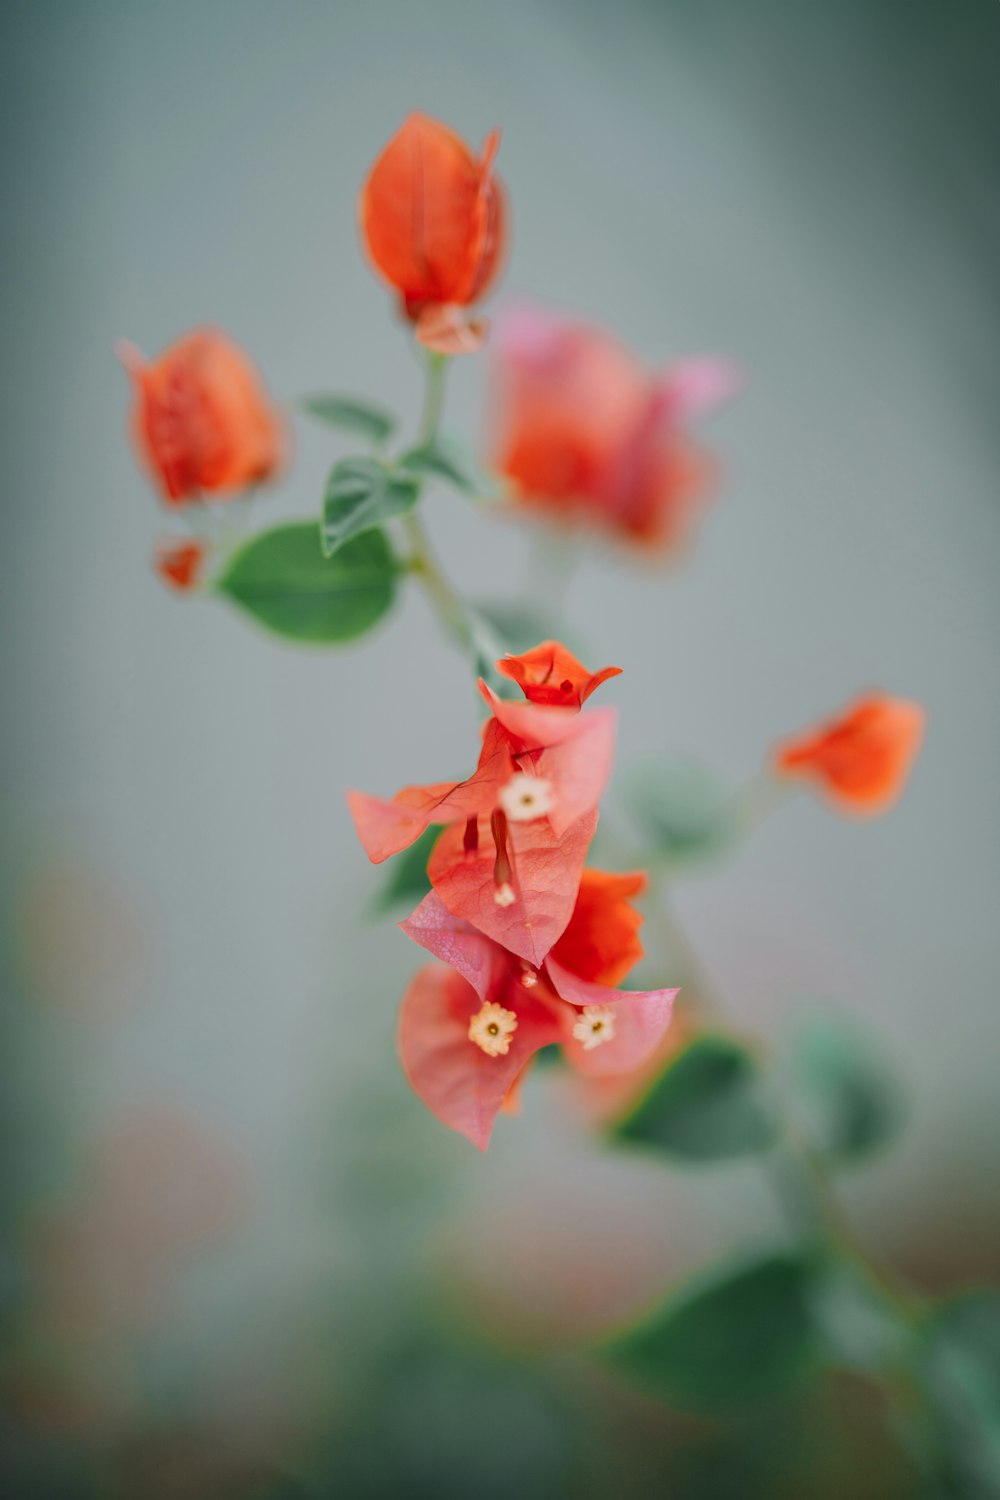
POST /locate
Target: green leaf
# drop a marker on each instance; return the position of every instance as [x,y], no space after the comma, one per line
[737,1336]
[842,1089]
[360,495]
[710,1103]
[684,811]
[407,881]
[352,415]
[861,1324]
[961,1368]
[519,628]
[282,578]
[444,459]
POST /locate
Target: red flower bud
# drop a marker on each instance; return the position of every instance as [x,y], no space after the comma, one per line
[432,216]
[203,423]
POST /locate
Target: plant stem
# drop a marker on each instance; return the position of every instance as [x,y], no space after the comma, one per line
[445,599]
[423,563]
[797,1172]
[430,418]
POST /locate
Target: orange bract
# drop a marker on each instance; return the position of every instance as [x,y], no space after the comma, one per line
[179,564]
[601,943]
[203,422]
[432,216]
[861,759]
[550,674]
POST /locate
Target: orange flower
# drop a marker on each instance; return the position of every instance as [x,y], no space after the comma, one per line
[203,423]
[586,433]
[860,760]
[179,564]
[432,216]
[601,942]
[550,674]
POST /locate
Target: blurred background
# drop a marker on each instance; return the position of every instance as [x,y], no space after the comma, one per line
[239,1258]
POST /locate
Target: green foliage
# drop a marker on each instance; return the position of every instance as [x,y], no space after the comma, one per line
[360,494]
[861,1324]
[683,810]
[737,1336]
[961,1372]
[443,458]
[519,628]
[406,879]
[710,1103]
[842,1090]
[350,414]
[282,578]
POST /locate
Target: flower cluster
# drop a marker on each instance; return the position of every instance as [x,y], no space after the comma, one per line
[533,943]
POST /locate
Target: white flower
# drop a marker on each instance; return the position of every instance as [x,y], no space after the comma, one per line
[526,797]
[491,1028]
[503,895]
[595,1026]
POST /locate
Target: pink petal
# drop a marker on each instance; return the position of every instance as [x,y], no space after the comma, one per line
[546,877]
[534,724]
[695,387]
[579,768]
[458,1082]
[475,957]
[385,828]
[641,1018]
[528,336]
[577,751]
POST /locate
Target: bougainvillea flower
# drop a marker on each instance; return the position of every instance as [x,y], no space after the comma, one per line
[587,434]
[550,674]
[432,216]
[517,831]
[861,759]
[468,1031]
[203,422]
[180,564]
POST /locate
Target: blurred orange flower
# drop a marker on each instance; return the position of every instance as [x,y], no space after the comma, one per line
[179,564]
[203,422]
[550,674]
[862,758]
[586,433]
[433,216]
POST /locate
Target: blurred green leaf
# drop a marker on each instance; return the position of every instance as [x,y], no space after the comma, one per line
[862,1326]
[710,1103]
[406,879]
[843,1092]
[360,494]
[682,809]
[518,627]
[282,578]
[737,1336]
[961,1369]
[443,458]
[351,414]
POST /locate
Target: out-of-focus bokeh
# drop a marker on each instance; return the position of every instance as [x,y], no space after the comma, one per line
[239,1258]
